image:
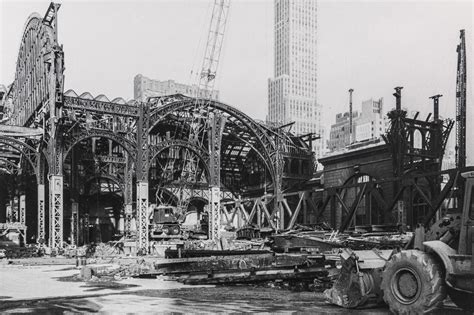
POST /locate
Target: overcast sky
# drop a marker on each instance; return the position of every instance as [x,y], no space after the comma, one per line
[370,46]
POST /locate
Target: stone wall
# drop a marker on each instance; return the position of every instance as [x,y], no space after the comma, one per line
[374,161]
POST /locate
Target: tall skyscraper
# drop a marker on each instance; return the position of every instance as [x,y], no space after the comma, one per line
[292,91]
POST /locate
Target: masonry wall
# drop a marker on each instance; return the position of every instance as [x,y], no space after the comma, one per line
[374,161]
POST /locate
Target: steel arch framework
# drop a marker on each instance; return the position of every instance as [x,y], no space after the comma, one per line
[155,150]
[267,144]
[37,98]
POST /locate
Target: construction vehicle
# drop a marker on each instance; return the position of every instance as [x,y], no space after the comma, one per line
[417,280]
[195,225]
[164,223]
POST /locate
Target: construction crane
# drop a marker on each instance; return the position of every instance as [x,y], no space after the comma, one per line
[200,122]
[215,40]
[461,103]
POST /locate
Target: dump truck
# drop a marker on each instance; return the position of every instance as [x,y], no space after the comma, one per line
[440,263]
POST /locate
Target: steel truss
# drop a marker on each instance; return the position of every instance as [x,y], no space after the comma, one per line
[335,197]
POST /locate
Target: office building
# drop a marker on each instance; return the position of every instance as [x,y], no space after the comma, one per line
[368,124]
[144,87]
[292,92]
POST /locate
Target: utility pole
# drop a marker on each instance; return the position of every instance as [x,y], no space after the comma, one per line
[461,103]
[350,115]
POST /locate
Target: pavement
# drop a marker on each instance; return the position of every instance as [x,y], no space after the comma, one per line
[53,289]
[19,282]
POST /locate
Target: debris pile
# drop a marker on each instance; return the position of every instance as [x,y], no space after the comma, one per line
[116,270]
[323,240]
[15,252]
[249,268]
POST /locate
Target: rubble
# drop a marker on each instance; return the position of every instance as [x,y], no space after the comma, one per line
[323,240]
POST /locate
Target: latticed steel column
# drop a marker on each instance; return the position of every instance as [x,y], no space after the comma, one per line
[22,211]
[127,196]
[56,211]
[41,214]
[56,199]
[128,219]
[54,61]
[215,214]
[75,223]
[15,209]
[142,177]
[142,213]
[85,225]
[217,124]
[279,211]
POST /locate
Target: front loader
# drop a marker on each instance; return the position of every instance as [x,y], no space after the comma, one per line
[417,280]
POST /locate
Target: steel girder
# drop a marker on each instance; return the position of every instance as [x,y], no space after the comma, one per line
[100,107]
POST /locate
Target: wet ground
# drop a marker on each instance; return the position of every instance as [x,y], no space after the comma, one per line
[47,290]
[189,300]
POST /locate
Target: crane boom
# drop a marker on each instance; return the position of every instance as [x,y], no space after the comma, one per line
[461,103]
[215,39]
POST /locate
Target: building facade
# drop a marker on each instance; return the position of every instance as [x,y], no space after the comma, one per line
[292,92]
[339,136]
[144,87]
[368,124]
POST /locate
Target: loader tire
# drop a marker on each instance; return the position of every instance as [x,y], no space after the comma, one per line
[413,283]
[462,299]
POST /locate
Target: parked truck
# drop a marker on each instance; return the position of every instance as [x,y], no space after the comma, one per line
[416,280]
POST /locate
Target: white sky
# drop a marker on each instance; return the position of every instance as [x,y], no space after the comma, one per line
[370,46]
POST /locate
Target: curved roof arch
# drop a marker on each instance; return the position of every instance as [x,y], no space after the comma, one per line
[249,147]
[242,134]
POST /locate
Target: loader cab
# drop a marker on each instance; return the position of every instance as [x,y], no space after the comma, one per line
[466,240]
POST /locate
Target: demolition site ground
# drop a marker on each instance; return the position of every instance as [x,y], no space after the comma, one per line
[54,289]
